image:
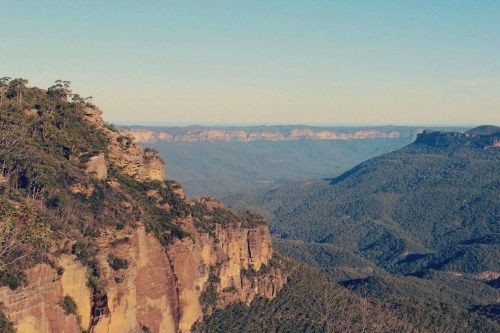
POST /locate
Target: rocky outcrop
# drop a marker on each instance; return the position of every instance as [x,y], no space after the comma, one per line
[146,135]
[487,276]
[133,160]
[160,289]
[482,137]
[36,307]
[97,167]
[124,153]
[130,279]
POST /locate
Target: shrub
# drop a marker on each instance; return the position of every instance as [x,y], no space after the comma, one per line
[117,263]
[209,297]
[6,326]
[94,283]
[120,241]
[13,279]
[69,305]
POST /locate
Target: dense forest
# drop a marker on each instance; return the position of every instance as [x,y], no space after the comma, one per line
[223,168]
[420,223]
[313,302]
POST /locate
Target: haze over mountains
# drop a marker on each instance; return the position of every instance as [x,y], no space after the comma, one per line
[226,160]
[416,227]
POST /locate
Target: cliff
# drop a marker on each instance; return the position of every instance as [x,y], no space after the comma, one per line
[263,133]
[124,249]
[483,137]
[160,289]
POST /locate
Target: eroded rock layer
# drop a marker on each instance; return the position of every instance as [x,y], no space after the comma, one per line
[166,264]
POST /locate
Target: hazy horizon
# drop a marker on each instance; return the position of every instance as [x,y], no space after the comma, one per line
[364,63]
[297,124]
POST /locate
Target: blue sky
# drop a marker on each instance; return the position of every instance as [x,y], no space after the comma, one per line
[237,62]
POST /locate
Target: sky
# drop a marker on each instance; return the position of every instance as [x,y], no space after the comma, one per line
[264,62]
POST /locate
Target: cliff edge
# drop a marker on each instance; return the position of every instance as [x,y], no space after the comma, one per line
[102,242]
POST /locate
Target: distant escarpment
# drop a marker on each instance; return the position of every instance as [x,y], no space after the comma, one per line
[94,238]
[482,137]
[265,133]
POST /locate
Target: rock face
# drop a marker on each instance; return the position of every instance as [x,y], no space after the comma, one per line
[124,153]
[146,284]
[481,137]
[97,166]
[160,289]
[146,135]
[36,308]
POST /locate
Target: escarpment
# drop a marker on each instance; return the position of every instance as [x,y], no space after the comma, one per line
[481,137]
[109,244]
[273,133]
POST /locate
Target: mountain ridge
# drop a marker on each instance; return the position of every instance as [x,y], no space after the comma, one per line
[152,134]
[421,220]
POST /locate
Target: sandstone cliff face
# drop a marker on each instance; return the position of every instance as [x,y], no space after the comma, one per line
[124,154]
[227,135]
[158,285]
[97,167]
[36,307]
[160,289]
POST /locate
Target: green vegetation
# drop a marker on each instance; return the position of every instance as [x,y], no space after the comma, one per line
[208,298]
[120,241]
[69,305]
[43,135]
[117,263]
[45,143]
[205,219]
[47,197]
[6,326]
[222,168]
[312,302]
[421,207]
[157,219]
[392,228]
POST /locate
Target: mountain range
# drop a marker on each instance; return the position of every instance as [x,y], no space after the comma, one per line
[95,238]
[150,134]
[220,161]
[421,222]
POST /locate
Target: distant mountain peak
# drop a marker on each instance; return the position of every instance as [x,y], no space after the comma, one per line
[484,136]
[484,130]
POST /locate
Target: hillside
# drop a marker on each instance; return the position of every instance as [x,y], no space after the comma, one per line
[224,160]
[312,302]
[222,168]
[94,238]
[422,219]
[432,204]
